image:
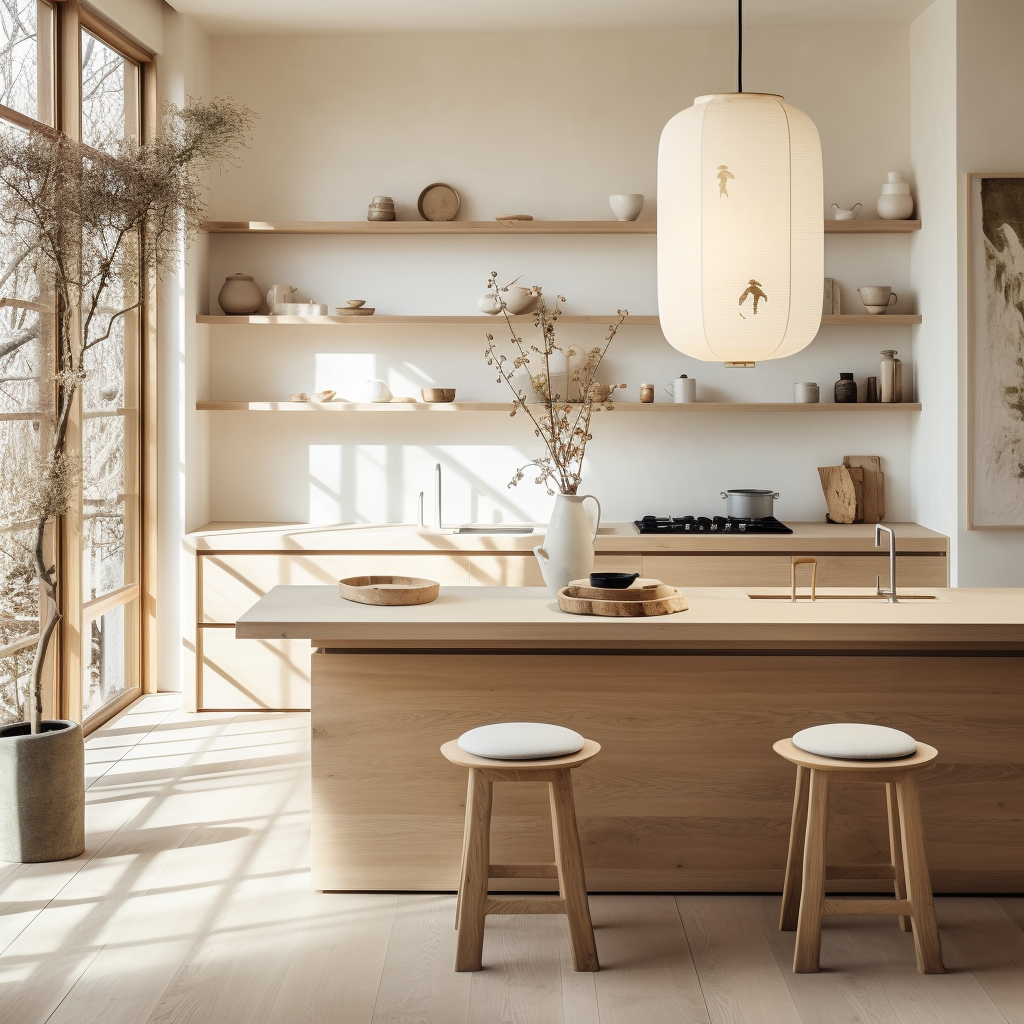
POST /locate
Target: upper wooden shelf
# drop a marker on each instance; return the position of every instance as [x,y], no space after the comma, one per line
[851,320]
[493,227]
[217,405]
[397,321]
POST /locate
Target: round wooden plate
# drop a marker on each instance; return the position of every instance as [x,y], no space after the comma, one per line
[643,601]
[389,590]
[438,202]
[354,310]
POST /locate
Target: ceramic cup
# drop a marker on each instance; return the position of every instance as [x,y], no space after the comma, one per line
[877,298]
[805,392]
[647,393]
[683,389]
[626,205]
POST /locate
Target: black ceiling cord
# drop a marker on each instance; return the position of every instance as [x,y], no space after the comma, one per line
[739,47]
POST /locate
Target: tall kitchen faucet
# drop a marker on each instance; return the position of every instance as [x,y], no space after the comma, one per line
[891,592]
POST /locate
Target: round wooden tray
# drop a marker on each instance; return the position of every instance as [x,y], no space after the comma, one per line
[389,590]
[644,598]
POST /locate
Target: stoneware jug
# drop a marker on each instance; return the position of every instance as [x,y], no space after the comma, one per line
[568,551]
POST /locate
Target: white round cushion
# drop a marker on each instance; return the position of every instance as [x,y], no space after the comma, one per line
[521,741]
[855,742]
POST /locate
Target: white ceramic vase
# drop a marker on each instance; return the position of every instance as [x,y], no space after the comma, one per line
[568,550]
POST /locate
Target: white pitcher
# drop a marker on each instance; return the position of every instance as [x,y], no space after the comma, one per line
[568,551]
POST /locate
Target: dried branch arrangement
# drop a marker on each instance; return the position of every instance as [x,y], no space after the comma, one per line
[556,388]
[91,227]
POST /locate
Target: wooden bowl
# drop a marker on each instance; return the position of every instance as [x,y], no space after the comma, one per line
[438,395]
[389,590]
[645,601]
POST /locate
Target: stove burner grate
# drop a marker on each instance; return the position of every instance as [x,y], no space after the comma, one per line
[704,524]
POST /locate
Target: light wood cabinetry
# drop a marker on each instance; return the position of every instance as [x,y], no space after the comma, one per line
[774,570]
[229,674]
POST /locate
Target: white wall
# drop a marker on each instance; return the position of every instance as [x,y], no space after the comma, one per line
[548,124]
[182,434]
[990,94]
[934,478]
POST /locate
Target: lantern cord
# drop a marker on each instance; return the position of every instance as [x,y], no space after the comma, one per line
[739,47]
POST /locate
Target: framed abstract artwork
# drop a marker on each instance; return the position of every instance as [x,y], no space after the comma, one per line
[995,323]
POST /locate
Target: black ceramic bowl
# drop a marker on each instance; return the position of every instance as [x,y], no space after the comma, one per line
[613,580]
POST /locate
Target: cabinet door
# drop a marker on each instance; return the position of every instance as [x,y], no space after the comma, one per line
[231,584]
[252,675]
[774,570]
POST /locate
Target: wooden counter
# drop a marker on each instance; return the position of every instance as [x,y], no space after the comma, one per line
[686,794]
[235,564]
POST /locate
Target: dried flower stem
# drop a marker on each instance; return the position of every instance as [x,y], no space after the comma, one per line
[562,422]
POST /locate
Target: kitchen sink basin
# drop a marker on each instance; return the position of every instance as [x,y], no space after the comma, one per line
[805,598]
[492,530]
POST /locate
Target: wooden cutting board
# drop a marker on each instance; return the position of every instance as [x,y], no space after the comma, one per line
[642,601]
[872,504]
[389,590]
[840,493]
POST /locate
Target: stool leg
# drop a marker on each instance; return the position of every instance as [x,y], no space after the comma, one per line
[465,844]
[795,859]
[571,881]
[919,886]
[475,872]
[896,849]
[808,928]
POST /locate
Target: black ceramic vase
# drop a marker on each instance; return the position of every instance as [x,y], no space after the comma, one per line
[846,389]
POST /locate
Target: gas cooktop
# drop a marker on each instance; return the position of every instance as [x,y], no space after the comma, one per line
[702,524]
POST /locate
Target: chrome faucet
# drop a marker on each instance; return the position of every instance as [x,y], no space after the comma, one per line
[437,498]
[891,592]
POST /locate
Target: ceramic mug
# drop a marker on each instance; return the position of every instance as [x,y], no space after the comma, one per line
[877,297]
[683,389]
[847,214]
[378,391]
[626,205]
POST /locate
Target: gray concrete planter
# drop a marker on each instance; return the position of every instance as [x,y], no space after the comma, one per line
[42,792]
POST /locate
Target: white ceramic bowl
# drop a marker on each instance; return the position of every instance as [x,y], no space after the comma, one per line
[627,205]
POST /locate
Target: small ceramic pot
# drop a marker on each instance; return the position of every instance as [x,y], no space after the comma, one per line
[845,389]
[872,390]
[518,300]
[805,392]
[382,208]
[378,391]
[847,214]
[240,296]
[895,207]
[647,393]
[627,205]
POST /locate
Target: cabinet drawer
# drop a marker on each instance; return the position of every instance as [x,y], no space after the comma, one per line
[257,675]
[234,583]
[518,570]
[774,570]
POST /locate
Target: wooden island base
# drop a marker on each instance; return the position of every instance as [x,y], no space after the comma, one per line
[686,794]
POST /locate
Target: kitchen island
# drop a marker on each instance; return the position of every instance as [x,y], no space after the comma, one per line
[686,794]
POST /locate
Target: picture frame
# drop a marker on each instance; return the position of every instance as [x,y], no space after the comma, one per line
[995,350]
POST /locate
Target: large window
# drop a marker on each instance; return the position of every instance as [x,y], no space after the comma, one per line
[98,547]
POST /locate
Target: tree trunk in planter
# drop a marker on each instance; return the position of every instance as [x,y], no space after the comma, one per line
[42,792]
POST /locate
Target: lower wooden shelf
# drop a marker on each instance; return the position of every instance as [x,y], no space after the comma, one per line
[214,405]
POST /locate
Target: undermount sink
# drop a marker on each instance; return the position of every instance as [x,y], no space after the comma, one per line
[805,598]
[495,529]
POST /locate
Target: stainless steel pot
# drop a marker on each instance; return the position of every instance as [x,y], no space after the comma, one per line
[749,503]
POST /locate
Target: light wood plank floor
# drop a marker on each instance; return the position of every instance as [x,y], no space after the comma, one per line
[192,905]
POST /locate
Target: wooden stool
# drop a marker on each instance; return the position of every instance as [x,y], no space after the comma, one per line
[803,898]
[474,904]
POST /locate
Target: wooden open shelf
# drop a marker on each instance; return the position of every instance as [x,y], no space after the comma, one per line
[852,320]
[504,407]
[493,227]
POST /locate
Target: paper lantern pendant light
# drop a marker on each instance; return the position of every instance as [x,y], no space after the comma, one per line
[740,228]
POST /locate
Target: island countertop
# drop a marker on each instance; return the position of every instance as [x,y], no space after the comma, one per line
[718,618]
